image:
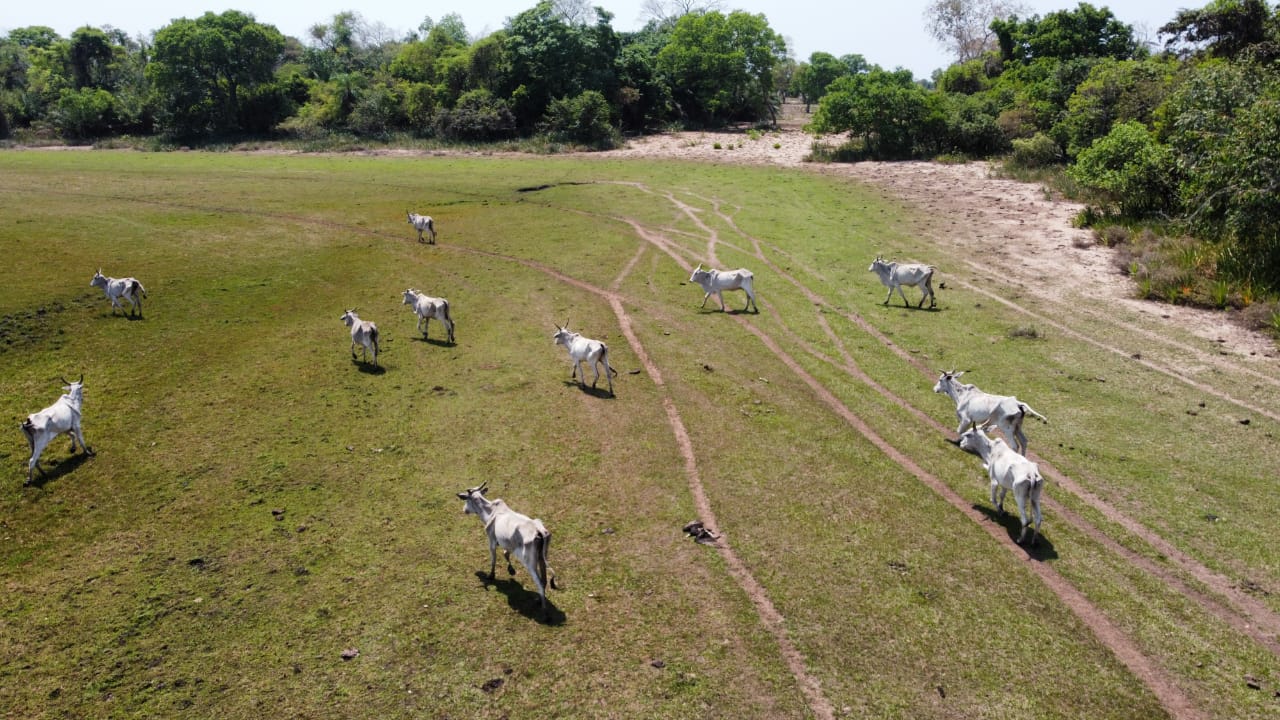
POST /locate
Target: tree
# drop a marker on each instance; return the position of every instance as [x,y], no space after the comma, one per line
[893,116]
[964,26]
[90,55]
[551,58]
[1115,91]
[203,68]
[1085,32]
[813,77]
[1227,29]
[720,68]
[450,25]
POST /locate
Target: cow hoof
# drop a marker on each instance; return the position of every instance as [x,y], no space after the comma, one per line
[511,569]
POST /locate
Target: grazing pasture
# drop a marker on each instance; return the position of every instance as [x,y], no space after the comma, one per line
[264,531]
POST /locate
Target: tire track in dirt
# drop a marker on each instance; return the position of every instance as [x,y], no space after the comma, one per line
[1150,365]
[1150,673]
[1147,670]
[1241,611]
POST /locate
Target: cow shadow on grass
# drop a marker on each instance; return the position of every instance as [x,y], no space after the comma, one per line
[56,470]
[435,341]
[524,600]
[1012,524]
[728,311]
[599,392]
[369,368]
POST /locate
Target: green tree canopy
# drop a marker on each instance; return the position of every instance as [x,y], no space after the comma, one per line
[720,67]
[204,70]
[894,116]
[1226,28]
[1085,32]
[813,77]
[552,58]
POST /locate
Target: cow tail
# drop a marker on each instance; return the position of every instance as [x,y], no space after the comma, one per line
[137,288]
[29,430]
[375,339]
[544,548]
[605,356]
[447,316]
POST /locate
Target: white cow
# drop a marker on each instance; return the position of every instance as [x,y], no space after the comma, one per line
[116,288]
[894,275]
[61,417]
[527,537]
[1009,471]
[363,333]
[976,408]
[717,281]
[427,307]
[585,349]
[422,223]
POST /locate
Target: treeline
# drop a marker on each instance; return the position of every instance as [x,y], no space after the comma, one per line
[1185,133]
[557,69]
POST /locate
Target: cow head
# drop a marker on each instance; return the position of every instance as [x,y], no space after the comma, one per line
[349,317]
[699,275]
[562,335]
[473,498]
[410,297]
[946,380]
[99,280]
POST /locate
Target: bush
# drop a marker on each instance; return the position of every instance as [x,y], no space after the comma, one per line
[478,117]
[1127,169]
[83,113]
[585,119]
[1035,152]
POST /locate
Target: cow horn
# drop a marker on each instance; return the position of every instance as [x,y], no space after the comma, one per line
[81,380]
[483,486]
[64,380]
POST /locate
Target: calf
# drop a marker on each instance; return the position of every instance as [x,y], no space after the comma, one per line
[423,223]
[527,537]
[363,333]
[582,349]
[117,289]
[894,275]
[1009,471]
[61,417]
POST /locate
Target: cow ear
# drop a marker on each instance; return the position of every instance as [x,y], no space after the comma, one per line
[463,496]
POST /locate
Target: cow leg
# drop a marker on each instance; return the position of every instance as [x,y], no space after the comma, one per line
[903,295]
[493,555]
[720,295]
[37,447]
[506,555]
[704,300]
[426,327]
[1035,512]
[1020,496]
[888,296]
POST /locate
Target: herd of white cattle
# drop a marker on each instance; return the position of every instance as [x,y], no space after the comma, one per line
[1004,459]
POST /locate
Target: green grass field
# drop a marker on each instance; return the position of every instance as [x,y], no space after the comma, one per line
[260,503]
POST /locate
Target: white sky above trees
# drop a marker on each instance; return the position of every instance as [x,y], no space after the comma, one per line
[889,34]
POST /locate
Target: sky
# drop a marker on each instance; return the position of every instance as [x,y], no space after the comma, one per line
[889,33]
